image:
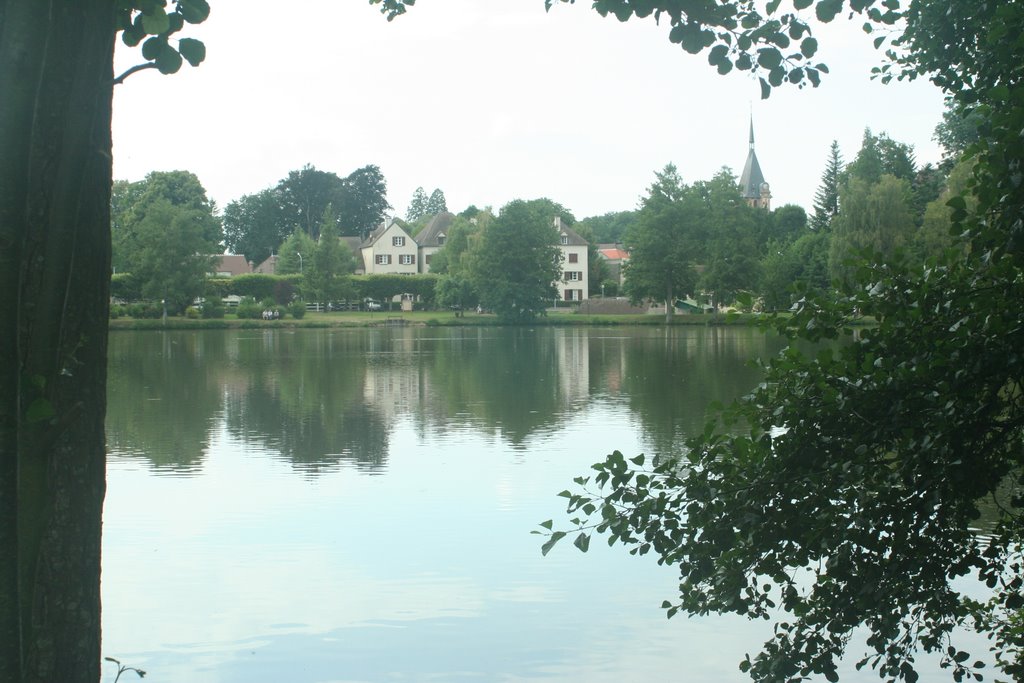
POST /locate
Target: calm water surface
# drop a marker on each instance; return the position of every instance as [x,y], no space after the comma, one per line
[356,505]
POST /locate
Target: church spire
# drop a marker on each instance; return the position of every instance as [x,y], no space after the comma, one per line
[752,183]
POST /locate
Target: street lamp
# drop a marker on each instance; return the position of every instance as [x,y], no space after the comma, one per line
[300,262]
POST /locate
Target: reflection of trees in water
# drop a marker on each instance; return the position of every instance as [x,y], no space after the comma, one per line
[304,398]
[323,397]
[163,396]
[672,377]
[499,380]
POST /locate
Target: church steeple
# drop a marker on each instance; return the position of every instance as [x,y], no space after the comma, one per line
[752,183]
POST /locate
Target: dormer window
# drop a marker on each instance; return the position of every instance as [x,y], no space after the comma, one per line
[441,238]
[565,239]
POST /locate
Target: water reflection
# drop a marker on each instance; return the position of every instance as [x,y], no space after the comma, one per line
[323,397]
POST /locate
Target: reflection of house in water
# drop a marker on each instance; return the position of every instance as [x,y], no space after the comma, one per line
[396,381]
[572,350]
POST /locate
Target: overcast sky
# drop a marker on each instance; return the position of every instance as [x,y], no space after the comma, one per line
[492,100]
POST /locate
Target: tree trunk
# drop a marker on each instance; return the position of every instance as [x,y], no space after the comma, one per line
[670,304]
[55,176]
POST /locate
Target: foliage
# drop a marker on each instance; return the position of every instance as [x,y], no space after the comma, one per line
[417,205]
[294,254]
[517,260]
[732,228]
[249,309]
[826,198]
[877,218]
[455,292]
[213,308]
[363,202]
[610,228]
[842,493]
[666,241]
[254,225]
[326,278]
[297,309]
[957,131]
[436,203]
[384,287]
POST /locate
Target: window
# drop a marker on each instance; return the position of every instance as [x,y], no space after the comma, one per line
[565,239]
[573,276]
[574,295]
[407,259]
[383,259]
[574,258]
[440,239]
[427,259]
[398,241]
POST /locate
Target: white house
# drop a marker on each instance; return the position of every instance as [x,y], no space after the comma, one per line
[390,249]
[574,283]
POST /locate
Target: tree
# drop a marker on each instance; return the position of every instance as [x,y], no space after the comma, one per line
[436,203]
[305,195]
[417,205]
[732,229]
[56,75]
[55,179]
[131,203]
[665,241]
[295,253]
[516,261]
[363,201]
[826,198]
[877,219]
[253,225]
[326,278]
[843,490]
[610,228]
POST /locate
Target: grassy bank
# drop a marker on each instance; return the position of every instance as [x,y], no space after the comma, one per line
[437,318]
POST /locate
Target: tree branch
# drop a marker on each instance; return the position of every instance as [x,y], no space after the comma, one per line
[138,67]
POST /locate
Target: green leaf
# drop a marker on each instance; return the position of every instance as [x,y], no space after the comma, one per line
[192,50]
[769,57]
[168,61]
[802,4]
[808,46]
[152,47]
[547,525]
[582,542]
[550,543]
[766,89]
[39,410]
[156,23]
[826,10]
[717,55]
[638,460]
[194,11]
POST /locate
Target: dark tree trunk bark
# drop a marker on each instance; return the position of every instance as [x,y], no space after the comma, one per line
[55,174]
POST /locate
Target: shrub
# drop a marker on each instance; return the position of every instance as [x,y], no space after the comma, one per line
[145,310]
[192,312]
[213,308]
[297,309]
[248,308]
[116,311]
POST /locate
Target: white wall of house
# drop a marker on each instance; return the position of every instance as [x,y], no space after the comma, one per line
[393,251]
[425,254]
[574,282]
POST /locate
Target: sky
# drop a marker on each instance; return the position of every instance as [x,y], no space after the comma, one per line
[490,101]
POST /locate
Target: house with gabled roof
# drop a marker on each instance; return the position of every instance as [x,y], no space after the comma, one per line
[574,283]
[390,249]
[230,265]
[433,237]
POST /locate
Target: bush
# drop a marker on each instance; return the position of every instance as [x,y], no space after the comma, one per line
[297,309]
[213,308]
[145,310]
[192,312]
[248,308]
[116,311]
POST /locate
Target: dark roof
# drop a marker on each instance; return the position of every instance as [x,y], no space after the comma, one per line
[752,178]
[232,263]
[574,240]
[438,225]
[382,228]
[268,267]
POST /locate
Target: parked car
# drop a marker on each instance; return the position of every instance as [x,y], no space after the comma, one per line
[371,305]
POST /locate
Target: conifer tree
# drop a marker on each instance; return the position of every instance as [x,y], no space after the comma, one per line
[826,199]
[417,205]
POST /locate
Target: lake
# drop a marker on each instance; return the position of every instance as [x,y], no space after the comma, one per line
[348,505]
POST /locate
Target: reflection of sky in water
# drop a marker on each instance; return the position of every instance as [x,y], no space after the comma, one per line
[252,570]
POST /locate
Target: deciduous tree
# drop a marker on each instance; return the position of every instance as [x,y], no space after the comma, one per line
[516,261]
[665,241]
